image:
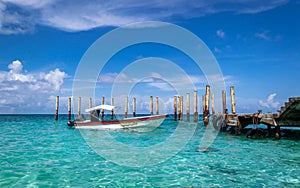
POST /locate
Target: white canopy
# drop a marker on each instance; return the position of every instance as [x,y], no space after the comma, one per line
[100,107]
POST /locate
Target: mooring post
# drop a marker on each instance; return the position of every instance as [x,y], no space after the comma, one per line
[112,111]
[157,106]
[224,101]
[69,108]
[175,108]
[188,107]
[79,106]
[151,105]
[206,106]
[195,106]
[56,108]
[179,108]
[233,109]
[90,106]
[102,111]
[126,107]
[134,107]
[203,103]
[213,104]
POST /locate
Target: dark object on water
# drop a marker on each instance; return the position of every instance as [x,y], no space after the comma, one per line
[258,132]
[70,123]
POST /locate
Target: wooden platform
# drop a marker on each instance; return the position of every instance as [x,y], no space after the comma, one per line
[289,114]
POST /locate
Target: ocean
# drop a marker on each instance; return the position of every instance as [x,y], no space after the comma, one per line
[37,151]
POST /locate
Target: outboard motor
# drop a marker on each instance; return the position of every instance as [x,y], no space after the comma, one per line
[70,123]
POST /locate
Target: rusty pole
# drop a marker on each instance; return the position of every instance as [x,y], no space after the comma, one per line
[56,108]
[224,101]
[233,107]
[126,106]
[134,107]
[151,105]
[206,106]
[195,106]
[175,108]
[69,108]
[188,107]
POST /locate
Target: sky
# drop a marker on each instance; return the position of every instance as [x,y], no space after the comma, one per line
[255,42]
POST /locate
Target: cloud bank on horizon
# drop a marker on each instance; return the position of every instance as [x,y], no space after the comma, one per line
[18,16]
[18,87]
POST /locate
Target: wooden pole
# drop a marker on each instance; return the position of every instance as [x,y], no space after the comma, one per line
[233,109]
[134,107]
[203,103]
[206,107]
[179,108]
[90,106]
[69,108]
[188,107]
[175,108]
[112,111]
[56,108]
[102,111]
[126,106]
[224,101]
[79,105]
[213,104]
[157,106]
[195,106]
[151,105]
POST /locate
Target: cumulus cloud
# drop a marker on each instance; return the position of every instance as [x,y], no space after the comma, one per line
[270,102]
[17,16]
[20,89]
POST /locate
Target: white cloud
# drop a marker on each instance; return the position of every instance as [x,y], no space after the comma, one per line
[17,16]
[20,90]
[220,33]
[269,103]
[265,35]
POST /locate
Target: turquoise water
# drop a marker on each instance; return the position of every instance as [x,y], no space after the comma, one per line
[36,151]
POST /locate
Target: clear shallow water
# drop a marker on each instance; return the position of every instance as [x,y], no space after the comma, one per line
[36,151]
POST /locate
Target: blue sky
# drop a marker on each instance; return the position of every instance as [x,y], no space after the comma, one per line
[256,44]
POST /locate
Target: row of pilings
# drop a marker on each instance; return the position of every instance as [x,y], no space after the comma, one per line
[207,99]
[126,114]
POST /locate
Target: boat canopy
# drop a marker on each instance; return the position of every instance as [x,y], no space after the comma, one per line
[100,107]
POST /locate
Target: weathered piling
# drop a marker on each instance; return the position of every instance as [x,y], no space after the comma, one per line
[157,106]
[179,108]
[102,111]
[134,107]
[203,103]
[233,107]
[90,106]
[175,108]
[56,108]
[195,106]
[112,111]
[224,101]
[151,105]
[206,106]
[69,108]
[79,106]
[188,107]
[213,104]
[126,107]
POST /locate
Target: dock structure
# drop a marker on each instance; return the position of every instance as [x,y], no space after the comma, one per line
[289,114]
